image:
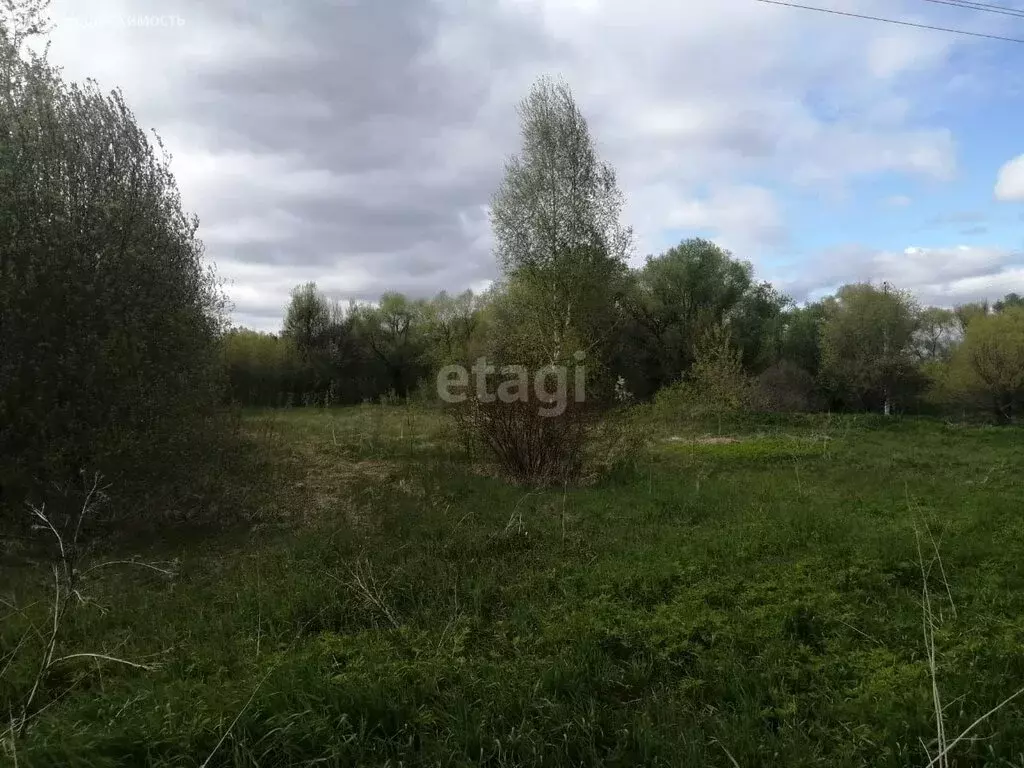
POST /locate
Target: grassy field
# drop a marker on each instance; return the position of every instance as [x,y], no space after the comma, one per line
[754,602]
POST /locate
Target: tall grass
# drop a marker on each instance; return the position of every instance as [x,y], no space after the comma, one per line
[757,602]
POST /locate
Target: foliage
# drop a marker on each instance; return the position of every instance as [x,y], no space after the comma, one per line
[558,239]
[786,387]
[757,325]
[562,254]
[108,311]
[761,595]
[867,344]
[450,326]
[718,377]
[1009,301]
[801,339]
[716,385]
[307,319]
[327,354]
[530,447]
[263,369]
[965,313]
[989,365]
[937,334]
[678,296]
[393,332]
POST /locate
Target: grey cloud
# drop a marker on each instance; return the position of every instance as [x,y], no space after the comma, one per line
[366,99]
[259,314]
[355,142]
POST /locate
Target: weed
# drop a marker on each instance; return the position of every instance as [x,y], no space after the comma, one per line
[754,602]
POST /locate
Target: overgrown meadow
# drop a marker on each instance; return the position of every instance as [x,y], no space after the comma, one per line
[649,575]
[777,592]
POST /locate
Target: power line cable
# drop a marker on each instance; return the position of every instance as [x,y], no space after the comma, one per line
[985,7]
[893,21]
[989,6]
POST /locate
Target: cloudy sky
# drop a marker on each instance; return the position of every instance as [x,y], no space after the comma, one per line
[357,142]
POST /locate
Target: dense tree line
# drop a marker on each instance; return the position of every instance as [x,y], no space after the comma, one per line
[865,348]
[329,354]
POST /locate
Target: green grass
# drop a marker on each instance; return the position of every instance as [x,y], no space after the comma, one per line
[396,606]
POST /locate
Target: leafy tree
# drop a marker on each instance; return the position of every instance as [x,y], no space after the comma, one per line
[1008,301]
[801,335]
[867,343]
[716,385]
[791,382]
[989,364]
[718,377]
[393,330]
[937,334]
[757,323]
[786,387]
[262,369]
[677,297]
[108,313]
[450,324]
[329,354]
[965,313]
[557,234]
[562,254]
[308,318]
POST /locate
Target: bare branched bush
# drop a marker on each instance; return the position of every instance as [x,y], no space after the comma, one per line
[64,532]
[530,447]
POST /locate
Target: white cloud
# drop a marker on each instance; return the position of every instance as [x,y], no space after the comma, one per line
[708,111]
[898,201]
[941,276]
[898,51]
[1010,184]
[201,172]
[688,96]
[940,266]
[748,212]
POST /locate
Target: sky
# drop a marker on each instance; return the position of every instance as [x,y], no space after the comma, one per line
[357,143]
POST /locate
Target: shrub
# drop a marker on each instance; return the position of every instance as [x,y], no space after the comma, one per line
[787,388]
[716,385]
[530,447]
[988,367]
[618,440]
[109,315]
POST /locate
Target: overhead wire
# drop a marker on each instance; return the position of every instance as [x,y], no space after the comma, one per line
[893,21]
[1004,10]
